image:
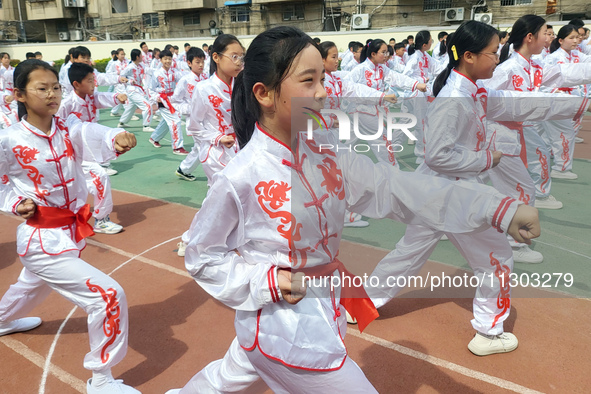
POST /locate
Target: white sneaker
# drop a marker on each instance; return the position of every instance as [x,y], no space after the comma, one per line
[482,345]
[122,125]
[115,115]
[156,117]
[112,387]
[525,255]
[19,325]
[111,171]
[579,140]
[547,203]
[350,319]
[106,226]
[148,129]
[182,246]
[134,117]
[563,174]
[357,224]
[411,142]
[444,238]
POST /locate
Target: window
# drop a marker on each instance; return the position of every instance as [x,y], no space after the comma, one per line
[192,18]
[239,14]
[436,5]
[514,2]
[119,6]
[150,20]
[293,12]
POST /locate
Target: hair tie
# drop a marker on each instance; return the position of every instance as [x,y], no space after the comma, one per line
[455,52]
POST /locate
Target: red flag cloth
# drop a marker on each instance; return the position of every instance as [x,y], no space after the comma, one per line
[353,298]
[50,217]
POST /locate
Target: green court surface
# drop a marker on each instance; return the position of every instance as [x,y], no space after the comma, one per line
[566,233]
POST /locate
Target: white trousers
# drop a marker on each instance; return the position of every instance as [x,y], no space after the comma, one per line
[487,253]
[169,123]
[98,184]
[137,100]
[561,134]
[538,157]
[191,161]
[239,370]
[99,295]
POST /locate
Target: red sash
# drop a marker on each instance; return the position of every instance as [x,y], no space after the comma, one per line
[50,217]
[354,299]
[165,99]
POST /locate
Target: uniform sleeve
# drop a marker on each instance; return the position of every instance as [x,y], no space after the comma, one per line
[105,99]
[510,106]
[96,141]
[218,229]
[446,125]
[500,80]
[400,81]
[383,191]
[104,79]
[9,200]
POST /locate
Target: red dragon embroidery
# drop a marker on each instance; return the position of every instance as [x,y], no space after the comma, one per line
[111,321]
[504,298]
[544,174]
[517,82]
[100,189]
[217,102]
[25,156]
[522,196]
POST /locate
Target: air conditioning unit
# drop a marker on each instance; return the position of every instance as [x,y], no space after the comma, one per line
[360,21]
[64,36]
[75,3]
[76,35]
[484,18]
[454,14]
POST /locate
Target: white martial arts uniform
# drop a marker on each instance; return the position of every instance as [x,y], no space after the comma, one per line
[97,180]
[211,119]
[137,96]
[116,68]
[163,84]
[182,100]
[47,169]
[299,348]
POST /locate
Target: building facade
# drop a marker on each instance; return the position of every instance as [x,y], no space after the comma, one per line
[97,20]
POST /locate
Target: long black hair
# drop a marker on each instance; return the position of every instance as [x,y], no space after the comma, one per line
[423,37]
[268,60]
[324,47]
[21,78]
[471,36]
[219,45]
[372,46]
[521,28]
[562,34]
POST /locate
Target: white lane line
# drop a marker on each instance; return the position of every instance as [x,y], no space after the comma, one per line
[46,368]
[443,363]
[37,359]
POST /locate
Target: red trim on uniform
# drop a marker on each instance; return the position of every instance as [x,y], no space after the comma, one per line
[271,284]
[456,71]
[582,109]
[500,207]
[15,206]
[500,220]
[270,136]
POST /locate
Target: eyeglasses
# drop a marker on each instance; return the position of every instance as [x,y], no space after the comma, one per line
[45,92]
[495,54]
[235,58]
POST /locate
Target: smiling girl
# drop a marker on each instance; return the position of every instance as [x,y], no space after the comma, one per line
[278,206]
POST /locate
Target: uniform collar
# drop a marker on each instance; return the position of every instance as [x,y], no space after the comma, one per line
[270,143]
[462,83]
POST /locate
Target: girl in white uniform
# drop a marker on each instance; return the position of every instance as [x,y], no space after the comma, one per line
[456,149]
[136,94]
[41,157]
[421,66]
[373,73]
[211,112]
[289,335]
[562,134]
[116,68]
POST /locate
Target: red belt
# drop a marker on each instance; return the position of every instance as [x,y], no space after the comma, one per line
[50,217]
[354,299]
[164,97]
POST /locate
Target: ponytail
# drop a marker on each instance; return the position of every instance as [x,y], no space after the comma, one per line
[372,46]
[471,36]
[423,37]
[245,111]
[521,28]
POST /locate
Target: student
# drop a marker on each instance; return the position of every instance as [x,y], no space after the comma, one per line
[50,241]
[136,94]
[84,103]
[439,51]
[456,149]
[182,99]
[421,66]
[211,114]
[355,58]
[115,69]
[290,336]
[392,42]
[163,83]
[398,62]
[146,60]
[8,112]
[373,73]
[562,134]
